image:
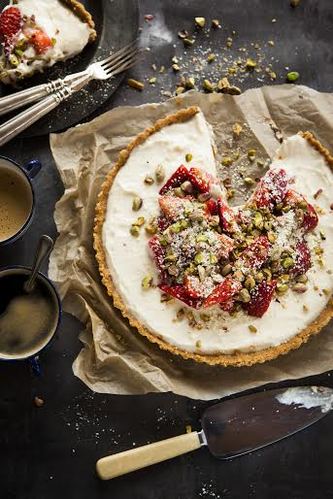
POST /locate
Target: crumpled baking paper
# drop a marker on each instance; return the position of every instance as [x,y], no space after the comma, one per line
[115,358]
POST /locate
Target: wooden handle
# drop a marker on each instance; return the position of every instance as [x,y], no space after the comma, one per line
[135,459]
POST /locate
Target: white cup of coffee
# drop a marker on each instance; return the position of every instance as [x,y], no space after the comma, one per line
[17,198]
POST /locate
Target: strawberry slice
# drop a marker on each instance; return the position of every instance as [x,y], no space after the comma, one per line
[201,180]
[261,297]
[163,223]
[223,293]
[228,221]
[255,255]
[158,254]
[172,207]
[40,41]
[178,291]
[272,189]
[310,219]
[194,287]
[211,207]
[10,25]
[302,259]
[177,178]
[225,246]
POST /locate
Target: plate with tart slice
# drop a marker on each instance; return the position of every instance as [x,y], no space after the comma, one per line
[230,286]
[48,39]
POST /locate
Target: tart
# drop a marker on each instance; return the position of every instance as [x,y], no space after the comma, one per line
[36,34]
[213,283]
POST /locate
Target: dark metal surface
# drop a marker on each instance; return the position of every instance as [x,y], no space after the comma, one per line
[238,426]
[50,452]
[116,25]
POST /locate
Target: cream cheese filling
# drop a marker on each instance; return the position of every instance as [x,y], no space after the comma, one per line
[58,22]
[128,258]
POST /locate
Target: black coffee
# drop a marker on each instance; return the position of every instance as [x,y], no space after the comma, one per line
[27,321]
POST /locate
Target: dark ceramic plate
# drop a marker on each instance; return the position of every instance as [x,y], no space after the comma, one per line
[116,25]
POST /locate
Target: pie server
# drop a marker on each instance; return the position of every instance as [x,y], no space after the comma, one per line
[232,428]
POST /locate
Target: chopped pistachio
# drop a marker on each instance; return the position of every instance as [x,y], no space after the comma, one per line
[176,67]
[188,41]
[138,85]
[252,328]
[165,298]
[213,259]
[160,174]
[197,345]
[226,161]
[148,180]
[199,258]
[134,230]
[178,191]
[271,43]
[151,229]
[175,228]
[259,277]
[208,86]
[139,221]
[180,90]
[322,235]
[244,296]
[249,282]
[258,220]
[200,21]
[260,163]
[302,278]
[226,269]
[216,24]
[249,181]
[182,34]
[305,308]
[147,282]
[250,64]
[190,82]
[271,236]
[251,154]
[180,314]
[162,69]
[14,61]
[187,187]
[201,238]
[223,84]
[281,288]
[230,193]
[326,292]
[205,317]
[175,60]
[152,80]
[233,90]
[299,287]
[287,263]
[137,203]
[211,58]
[188,157]
[317,193]
[237,129]
[292,76]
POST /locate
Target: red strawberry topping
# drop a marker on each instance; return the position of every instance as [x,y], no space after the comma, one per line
[256,254]
[261,297]
[310,220]
[310,217]
[10,25]
[180,175]
[302,259]
[200,179]
[40,41]
[173,207]
[223,292]
[226,245]
[211,206]
[158,253]
[228,221]
[181,294]
[272,189]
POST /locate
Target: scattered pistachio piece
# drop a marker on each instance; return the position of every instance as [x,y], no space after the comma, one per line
[135,231]
[138,85]
[251,154]
[187,187]
[226,269]
[208,86]
[244,296]
[199,258]
[292,76]
[152,80]
[271,43]
[160,174]
[226,161]
[326,292]
[190,83]
[216,24]
[180,90]
[249,181]
[300,287]
[281,288]
[139,221]
[322,235]
[148,180]
[39,402]
[147,282]
[183,34]
[211,58]
[287,262]
[237,129]
[175,60]
[200,21]
[260,163]
[317,193]
[249,282]
[250,64]
[188,157]
[176,67]
[305,308]
[188,428]
[252,328]
[137,203]
[188,41]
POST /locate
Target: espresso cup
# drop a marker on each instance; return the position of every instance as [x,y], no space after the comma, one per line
[17,198]
[28,321]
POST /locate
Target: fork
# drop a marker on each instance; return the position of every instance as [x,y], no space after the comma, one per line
[98,71]
[33,94]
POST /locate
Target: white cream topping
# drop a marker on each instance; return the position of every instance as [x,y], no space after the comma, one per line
[58,22]
[129,261]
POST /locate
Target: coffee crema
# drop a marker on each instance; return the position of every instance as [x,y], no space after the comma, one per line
[15,201]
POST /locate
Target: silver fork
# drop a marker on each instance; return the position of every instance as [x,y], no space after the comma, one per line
[98,71]
[33,94]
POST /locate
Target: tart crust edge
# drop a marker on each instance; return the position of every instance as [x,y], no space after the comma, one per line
[237,359]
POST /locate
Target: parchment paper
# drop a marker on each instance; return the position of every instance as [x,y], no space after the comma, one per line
[115,358]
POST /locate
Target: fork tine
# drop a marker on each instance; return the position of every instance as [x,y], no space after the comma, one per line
[126,65]
[113,64]
[116,55]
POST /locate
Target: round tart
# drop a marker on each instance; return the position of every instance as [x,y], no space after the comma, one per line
[213,283]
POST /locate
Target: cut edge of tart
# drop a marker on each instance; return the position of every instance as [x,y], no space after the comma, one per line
[80,11]
[237,358]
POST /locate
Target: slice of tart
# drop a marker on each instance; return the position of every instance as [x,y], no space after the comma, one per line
[221,285]
[36,34]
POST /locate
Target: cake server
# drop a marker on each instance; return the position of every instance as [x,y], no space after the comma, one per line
[232,428]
